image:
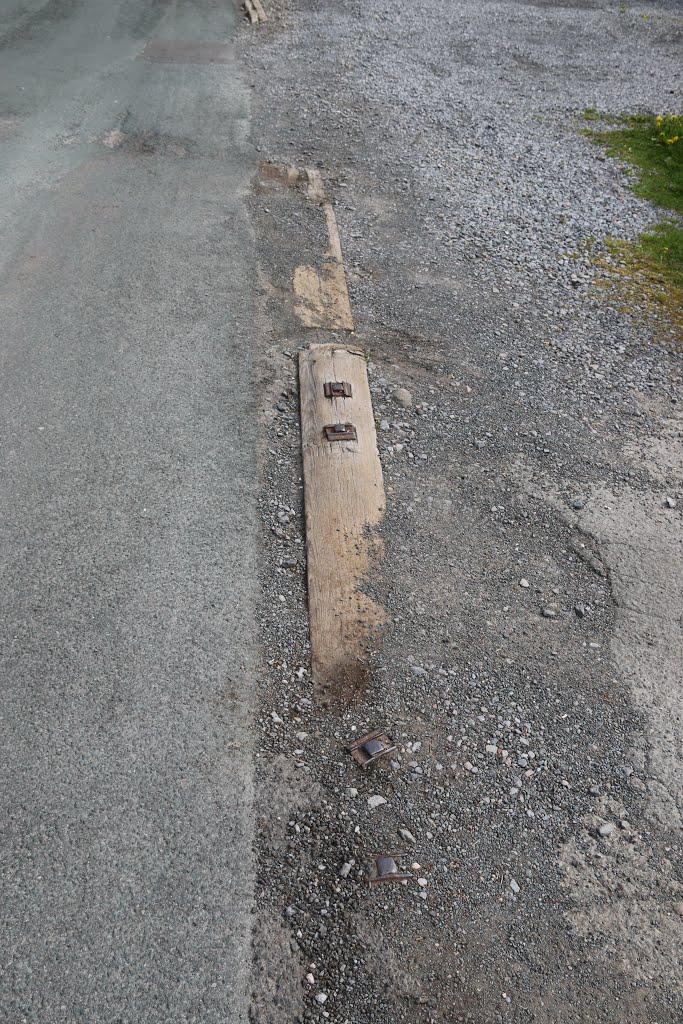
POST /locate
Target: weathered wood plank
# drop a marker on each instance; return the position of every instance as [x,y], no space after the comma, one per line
[345,502]
[255,11]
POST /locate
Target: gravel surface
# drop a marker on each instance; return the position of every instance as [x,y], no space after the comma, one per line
[530,436]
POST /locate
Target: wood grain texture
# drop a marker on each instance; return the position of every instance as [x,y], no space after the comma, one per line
[255,11]
[322,299]
[345,502]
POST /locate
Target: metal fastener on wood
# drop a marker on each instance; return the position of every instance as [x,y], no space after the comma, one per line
[371,747]
[337,389]
[340,432]
[386,867]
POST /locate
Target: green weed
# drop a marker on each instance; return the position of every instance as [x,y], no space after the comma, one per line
[655,146]
[650,270]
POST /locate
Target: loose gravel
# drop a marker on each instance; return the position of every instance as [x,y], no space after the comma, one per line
[516,409]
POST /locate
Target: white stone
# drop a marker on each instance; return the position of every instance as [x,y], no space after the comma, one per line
[403,397]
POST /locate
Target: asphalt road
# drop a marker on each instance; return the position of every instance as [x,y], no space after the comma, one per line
[127,512]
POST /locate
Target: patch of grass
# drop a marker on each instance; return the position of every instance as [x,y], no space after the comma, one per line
[664,247]
[591,114]
[655,146]
[643,285]
[649,271]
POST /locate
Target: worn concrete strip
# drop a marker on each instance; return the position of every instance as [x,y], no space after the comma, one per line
[345,502]
[639,542]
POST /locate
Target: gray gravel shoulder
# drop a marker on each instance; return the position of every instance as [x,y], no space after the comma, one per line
[528,531]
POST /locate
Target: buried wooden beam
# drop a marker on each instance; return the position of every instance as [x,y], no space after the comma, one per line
[322,294]
[345,502]
[255,11]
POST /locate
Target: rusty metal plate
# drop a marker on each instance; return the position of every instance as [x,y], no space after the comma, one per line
[387,867]
[177,51]
[340,432]
[337,389]
[369,748]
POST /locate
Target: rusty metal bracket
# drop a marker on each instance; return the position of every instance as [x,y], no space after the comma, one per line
[337,389]
[386,867]
[369,748]
[340,432]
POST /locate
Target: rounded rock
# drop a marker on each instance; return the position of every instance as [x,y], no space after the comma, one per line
[403,397]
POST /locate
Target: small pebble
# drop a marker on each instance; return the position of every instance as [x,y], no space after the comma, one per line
[375,801]
[606,830]
[403,397]
[524,583]
[514,886]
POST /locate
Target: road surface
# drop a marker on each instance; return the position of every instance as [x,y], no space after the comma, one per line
[157,234]
[127,542]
